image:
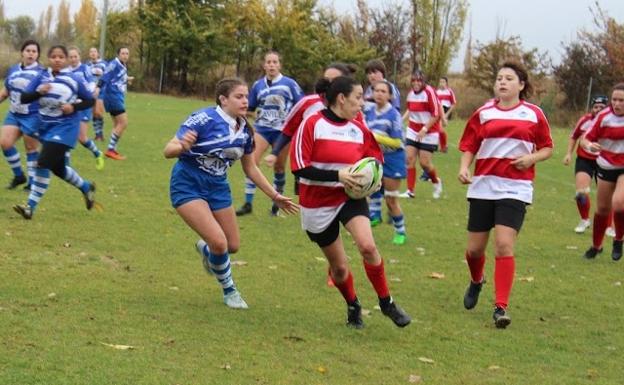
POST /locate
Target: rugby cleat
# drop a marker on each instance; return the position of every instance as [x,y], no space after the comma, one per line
[16,181]
[592,252]
[437,189]
[583,225]
[244,209]
[354,315]
[395,313]
[406,194]
[99,162]
[501,318]
[399,239]
[471,297]
[616,253]
[234,300]
[89,196]
[610,232]
[24,210]
[114,155]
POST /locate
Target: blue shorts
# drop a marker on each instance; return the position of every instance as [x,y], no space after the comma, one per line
[86,115]
[27,124]
[394,165]
[114,105]
[269,134]
[188,184]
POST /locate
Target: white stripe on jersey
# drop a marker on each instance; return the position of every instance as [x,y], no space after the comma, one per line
[330,166]
[504,148]
[311,182]
[521,112]
[494,187]
[616,146]
[420,116]
[325,131]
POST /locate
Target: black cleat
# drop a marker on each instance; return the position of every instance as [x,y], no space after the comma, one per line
[471,297]
[16,181]
[274,210]
[24,210]
[354,315]
[27,188]
[89,196]
[616,253]
[592,252]
[244,210]
[395,313]
[501,318]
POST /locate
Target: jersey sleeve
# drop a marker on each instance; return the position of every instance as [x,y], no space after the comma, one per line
[396,130]
[302,146]
[433,102]
[250,144]
[253,97]
[193,123]
[294,118]
[396,97]
[36,82]
[372,147]
[453,99]
[470,140]
[596,130]
[296,91]
[109,73]
[83,91]
[543,137]
[576,131]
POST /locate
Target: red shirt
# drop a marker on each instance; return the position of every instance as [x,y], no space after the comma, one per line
[608,131]
[446,97]
[583,125]
[422,105]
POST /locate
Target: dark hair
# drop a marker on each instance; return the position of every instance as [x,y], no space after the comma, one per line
[346,69]
[387,83]
[74,48]
[31,42]
[418,74]
[272,52]
[331,89]
[618,87]
[445,78]
[58,46]
[523,76]
[120,48]
[225,87]
[375,65]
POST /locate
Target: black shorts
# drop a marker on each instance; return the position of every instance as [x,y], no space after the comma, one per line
[484,214]
[352,208]
[446,108]
[421,146]
[588,166]
[116,112]
[609,175]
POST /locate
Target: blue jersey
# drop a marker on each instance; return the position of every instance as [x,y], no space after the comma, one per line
[65,88]
[17,80]
[386,122]
[221,140]
[84,74]
[273,101]
[396,96]
[115,79]
[97,68]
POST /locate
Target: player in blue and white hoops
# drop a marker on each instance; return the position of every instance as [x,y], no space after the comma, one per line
[97,66]
[206,145]
[385,122]
[22,119]
[84,74]
[61,96]
[113,84]
[376,71]
[272,97]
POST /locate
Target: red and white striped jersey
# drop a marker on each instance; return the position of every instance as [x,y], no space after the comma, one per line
[583,125]
[305,107]
[422,106]
[497,137]
[327,145]
[608,131]
[446,97]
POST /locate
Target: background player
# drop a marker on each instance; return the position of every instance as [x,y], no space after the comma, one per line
[97,66]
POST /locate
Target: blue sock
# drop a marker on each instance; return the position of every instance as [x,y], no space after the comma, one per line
[220,265]
[98,126]
[39,186]
[13,157]
[72,177]
[250,190]
[374,205]
[112,144]
[31,165]
[399,224]
[90,145]
[279,180]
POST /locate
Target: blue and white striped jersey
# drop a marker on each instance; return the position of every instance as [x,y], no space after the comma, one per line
[83,73]
[386,122]
[97,68]
[115,79]
[273,100]
[396,96]
[221,140]
[16,81]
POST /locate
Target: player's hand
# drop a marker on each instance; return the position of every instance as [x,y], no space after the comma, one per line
[270,160]
[44,88]
[286,204]
[130,79]
[422,133]
[523,162]
[594,147]
[188,139]
[67,108]
[566,159]
[464,176]
[349,179]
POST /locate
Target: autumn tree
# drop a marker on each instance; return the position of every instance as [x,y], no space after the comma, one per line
[64,30]
[389,35]
[44,25]
[20,29]
[85,24]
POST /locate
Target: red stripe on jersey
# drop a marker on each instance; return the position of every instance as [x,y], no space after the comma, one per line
[583,125]
[615,159]
[422,106]
[304,108]
[608,129]
[502,168]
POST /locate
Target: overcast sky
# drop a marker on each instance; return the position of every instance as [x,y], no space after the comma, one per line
[540,23]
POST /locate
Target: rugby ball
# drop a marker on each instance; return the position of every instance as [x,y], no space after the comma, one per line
[370,182]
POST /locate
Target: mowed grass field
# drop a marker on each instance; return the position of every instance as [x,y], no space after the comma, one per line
[73,283]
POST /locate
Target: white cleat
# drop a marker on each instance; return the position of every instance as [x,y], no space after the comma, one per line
[199,246]
[583,225]
[406,194]
[437,189]
[610,232]
[235,301]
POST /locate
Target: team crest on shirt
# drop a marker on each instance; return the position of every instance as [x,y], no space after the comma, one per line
[217,161]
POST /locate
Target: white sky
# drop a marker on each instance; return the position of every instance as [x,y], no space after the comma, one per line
[540,23]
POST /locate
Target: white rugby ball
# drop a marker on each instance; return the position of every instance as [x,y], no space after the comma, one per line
[370,182]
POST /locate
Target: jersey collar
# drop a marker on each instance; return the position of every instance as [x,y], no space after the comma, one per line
[277,79]
[231,121]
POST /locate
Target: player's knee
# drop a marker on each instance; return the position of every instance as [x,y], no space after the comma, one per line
[233,247]
[218,246]
[503,247]
[339,273]
[367,249]
[618,204]
[475,252]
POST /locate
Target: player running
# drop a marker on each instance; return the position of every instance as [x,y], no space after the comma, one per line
[446,96]
[375,72]
[97,66]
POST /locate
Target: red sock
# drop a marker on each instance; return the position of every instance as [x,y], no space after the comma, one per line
[618,219]
[377,276]
[346,288]
[433,175]
[411,179]
[443,139]
[583,206]
[504,271]
[476,268]
[601,223]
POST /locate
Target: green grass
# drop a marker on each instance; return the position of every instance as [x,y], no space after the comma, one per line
[129,275]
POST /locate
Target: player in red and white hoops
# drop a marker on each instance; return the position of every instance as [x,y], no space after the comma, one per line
[324,148]
[585,166]
[447,98]
[606,137]
[506,139]
[423,133]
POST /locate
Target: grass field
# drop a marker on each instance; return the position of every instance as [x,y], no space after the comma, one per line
[72,281]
